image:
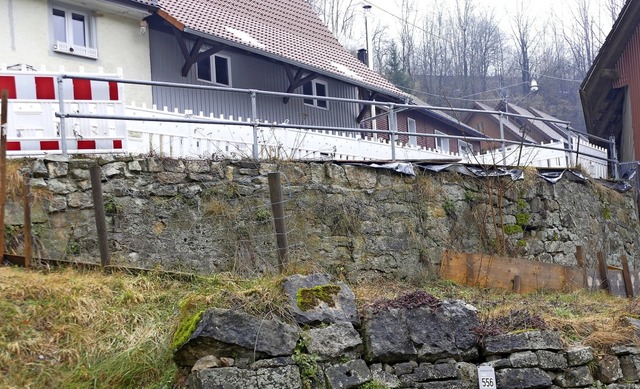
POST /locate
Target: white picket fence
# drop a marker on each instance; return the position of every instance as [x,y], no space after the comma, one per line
[33,129]
[197,140]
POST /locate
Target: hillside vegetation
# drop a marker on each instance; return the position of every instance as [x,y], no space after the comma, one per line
[69,328]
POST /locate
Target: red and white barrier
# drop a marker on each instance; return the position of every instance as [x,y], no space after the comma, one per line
[53,146]
[34,87]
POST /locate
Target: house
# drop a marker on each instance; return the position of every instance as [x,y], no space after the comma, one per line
[88,34]
[431,121]
[610,92]
[236,52]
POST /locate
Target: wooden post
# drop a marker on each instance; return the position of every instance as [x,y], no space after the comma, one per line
[582,263]
[275,193]
[516,284]
[626,274]
[28,244]
[580,258]
[101,223]
[4,109]
[604,273]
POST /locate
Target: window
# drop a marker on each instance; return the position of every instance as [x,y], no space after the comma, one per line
[315,88]
[411,126]
[215,69]
[73,32]
[465,148]
[442,144]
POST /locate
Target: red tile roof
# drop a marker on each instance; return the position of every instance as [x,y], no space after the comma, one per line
[286,30]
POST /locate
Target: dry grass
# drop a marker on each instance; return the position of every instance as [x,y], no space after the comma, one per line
[66,328]
[592,319]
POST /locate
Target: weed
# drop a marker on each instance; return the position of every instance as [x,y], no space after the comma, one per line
[310,372]
[521,243]
[522,204]
[374,384]
[512,229]
[469,196]
[449,207]
[522,219]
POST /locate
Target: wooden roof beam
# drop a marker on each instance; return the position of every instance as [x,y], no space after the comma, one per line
[368,95]
[194,55]
[296,80]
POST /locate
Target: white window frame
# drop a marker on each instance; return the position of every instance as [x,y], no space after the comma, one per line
[314,92]
[465,148]
[412,129]
[68,46]
[212,70]
[442,144]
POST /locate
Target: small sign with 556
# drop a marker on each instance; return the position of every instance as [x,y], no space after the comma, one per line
[486,377]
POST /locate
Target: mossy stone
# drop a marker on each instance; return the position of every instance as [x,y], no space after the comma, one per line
[309,298]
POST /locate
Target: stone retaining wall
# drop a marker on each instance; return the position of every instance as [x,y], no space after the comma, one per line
[355,221]
[411,342]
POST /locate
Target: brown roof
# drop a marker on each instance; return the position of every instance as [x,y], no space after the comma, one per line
[286,30]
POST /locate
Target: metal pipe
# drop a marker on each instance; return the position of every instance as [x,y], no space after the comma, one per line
[504,151]
[63,124]
[254,123]
[393,123]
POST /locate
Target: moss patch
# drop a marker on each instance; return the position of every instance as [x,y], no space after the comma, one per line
[309,298]
[511,229]
[185,329]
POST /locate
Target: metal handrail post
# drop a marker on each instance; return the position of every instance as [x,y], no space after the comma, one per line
[614,157]
[254,123]
[63,120]
[503,147]
[393,124]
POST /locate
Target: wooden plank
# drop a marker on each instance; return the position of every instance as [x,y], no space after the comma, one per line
[580,257]
[626,274]
[635,282]
[500,272]
[603,271]
[516,284]
[615,280]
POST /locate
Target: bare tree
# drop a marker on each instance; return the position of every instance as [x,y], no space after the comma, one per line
[338,15]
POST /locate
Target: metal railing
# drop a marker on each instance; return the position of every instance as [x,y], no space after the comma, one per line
[391,109]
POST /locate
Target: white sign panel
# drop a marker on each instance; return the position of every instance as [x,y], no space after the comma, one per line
[486,377]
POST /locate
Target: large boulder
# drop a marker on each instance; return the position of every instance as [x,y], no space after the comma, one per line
[317,299]
[236,334]
[421,333]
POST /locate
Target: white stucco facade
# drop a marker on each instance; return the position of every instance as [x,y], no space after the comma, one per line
[26,37]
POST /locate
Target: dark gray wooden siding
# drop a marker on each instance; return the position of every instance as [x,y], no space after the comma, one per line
[246,72]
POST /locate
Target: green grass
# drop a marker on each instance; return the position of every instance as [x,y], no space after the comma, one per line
[72,329]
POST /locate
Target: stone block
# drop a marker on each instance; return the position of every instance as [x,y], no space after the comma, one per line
[114,169]
[378,373]
[446,332]
[549,360]
[287,377]
[382,345]
[169,178]
[325,300]
[173,165]
[630,365]
[335,340]
[80,200]
[405,367]
[530,340]
[198,166]
[449,384]
[574,377]
[232,333]
[347,375]
[625,350]
[527,378]
[609,370]
[39,169]
[524,359]
[577,356]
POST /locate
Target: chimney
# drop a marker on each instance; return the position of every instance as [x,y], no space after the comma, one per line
[363,57]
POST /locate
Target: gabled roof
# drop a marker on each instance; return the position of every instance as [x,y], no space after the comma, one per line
[599,99]
[447,119]
[284,30]
[508,125]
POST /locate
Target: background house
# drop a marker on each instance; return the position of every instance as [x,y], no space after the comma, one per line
[88,34]
[610,92]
